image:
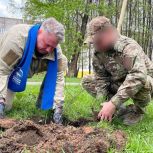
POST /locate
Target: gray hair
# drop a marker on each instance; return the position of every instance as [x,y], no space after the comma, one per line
[51,25]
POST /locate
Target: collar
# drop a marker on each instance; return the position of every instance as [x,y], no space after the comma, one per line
[50,56]
[110,52]
[121,43]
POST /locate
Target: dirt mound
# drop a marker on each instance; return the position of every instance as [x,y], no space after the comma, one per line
[57,138]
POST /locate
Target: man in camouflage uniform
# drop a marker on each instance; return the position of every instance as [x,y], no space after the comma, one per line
[12,45]
[121,71]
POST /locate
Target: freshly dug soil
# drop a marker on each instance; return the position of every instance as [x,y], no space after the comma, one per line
[57,138]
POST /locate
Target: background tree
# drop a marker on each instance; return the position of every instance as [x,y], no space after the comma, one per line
[75,14]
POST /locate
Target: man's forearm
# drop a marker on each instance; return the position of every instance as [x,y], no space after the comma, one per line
[59,93]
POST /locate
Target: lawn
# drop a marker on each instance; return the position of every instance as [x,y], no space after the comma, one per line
[39,78]
[78,104]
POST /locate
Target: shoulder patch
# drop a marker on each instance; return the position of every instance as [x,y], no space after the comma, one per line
[10,57]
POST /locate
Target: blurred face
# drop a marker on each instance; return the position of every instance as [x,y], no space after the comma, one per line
[46,42]
[103,41]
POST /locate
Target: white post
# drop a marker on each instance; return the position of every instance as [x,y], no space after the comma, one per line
[123,10]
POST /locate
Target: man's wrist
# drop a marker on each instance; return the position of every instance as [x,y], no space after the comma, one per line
[112,104]
[116,103]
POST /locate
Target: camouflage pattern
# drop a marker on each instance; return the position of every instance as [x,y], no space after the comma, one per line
[121,73]
[131,114]
[12,45]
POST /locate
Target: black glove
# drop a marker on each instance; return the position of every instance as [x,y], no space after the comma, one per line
[57,117]
[2,106]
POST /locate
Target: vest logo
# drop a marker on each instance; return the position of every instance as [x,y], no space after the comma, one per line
[18,76]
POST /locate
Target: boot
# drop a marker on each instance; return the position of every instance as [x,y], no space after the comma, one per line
[133,115]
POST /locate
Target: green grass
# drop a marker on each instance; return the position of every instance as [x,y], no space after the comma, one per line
[39,77]
[75,80]
[78,104]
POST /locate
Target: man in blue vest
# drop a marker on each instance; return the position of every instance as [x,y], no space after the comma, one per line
[33,49]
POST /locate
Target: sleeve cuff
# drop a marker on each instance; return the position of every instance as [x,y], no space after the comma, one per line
[116,101]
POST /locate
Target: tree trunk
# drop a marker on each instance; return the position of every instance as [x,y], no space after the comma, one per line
[73,68]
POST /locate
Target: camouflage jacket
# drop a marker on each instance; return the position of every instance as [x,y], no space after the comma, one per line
[126,65]
[12,45]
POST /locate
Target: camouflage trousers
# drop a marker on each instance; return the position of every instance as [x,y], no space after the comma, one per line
[141,99]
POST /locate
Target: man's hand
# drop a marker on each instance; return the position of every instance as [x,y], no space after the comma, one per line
[107,111]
